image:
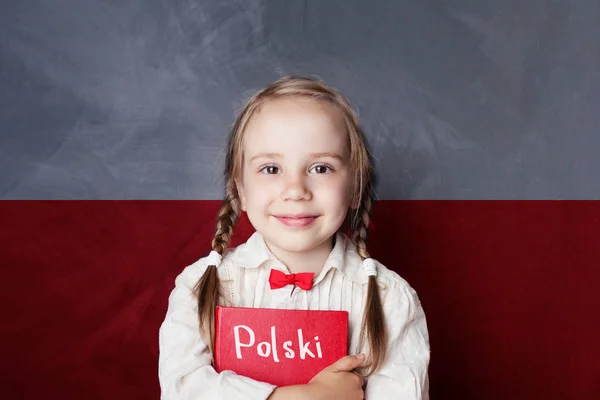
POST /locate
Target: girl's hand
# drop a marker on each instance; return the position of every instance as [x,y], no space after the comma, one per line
[338,382]
[333,382]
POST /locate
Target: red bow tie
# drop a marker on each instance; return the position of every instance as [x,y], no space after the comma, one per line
[278,279]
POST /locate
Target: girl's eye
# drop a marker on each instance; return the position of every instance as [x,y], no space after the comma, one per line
[270,170]
[321,169]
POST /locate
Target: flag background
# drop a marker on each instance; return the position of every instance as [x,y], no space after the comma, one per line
[483,121]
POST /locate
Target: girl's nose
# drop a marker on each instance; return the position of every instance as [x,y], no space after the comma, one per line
[296,188]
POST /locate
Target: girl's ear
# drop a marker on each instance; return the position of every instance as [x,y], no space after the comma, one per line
[241,194]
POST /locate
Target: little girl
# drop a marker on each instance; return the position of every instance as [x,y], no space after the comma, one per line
[298,165]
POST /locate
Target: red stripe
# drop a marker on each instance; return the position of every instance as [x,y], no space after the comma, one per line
[510,289]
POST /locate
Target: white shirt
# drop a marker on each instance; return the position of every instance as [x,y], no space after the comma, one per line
[185,371]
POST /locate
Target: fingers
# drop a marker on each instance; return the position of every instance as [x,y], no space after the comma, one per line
[348,363]
[360,381]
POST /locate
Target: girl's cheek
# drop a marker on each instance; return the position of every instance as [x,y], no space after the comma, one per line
[334,185]
[341,190]
[263,187]
[258,180]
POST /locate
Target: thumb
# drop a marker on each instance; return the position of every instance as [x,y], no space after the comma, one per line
[347,363]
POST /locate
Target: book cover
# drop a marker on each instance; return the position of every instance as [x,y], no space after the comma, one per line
[282,347]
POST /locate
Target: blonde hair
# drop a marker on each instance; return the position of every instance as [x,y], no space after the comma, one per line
[208,287]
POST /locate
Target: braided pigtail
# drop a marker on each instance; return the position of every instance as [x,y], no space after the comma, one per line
[373,328]
[208,287]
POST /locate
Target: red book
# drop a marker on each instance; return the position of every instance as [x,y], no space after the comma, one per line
[282,347]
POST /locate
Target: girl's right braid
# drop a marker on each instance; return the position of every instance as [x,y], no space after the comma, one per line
[227,218]
[208,287]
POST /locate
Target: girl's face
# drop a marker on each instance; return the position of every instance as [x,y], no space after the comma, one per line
[296,182]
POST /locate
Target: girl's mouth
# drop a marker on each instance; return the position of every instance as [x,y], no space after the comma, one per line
[296,221]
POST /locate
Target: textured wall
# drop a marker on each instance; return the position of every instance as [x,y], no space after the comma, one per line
[460,99]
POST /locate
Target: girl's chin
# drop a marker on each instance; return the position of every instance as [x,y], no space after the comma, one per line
[296,242]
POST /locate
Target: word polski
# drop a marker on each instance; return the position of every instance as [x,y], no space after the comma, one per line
[266,349]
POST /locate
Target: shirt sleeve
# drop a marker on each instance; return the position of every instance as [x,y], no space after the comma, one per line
[184,367]
[404,374]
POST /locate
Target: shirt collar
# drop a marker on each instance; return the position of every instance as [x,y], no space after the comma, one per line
[343,257]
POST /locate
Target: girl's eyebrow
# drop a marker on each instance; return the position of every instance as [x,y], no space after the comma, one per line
[313,155]
[266,155]
[327,154]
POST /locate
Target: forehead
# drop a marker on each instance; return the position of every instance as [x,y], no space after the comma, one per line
[296,125]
